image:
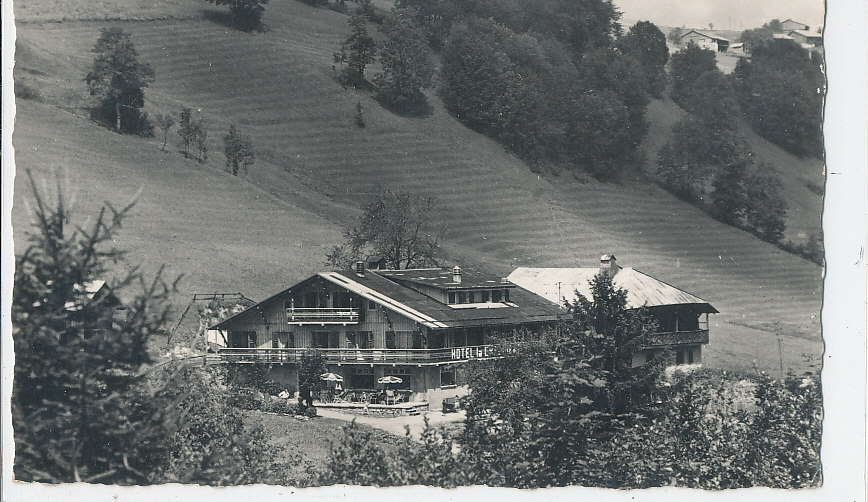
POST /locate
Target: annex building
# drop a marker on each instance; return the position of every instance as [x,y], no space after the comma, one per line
[682,318]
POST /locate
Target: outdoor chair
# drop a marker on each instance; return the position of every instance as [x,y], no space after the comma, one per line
[390,396]
[450,405]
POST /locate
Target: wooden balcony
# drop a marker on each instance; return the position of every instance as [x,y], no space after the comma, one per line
[322,316]
[675,338]
[365,356]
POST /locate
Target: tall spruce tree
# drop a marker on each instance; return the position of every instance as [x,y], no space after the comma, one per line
[76,356]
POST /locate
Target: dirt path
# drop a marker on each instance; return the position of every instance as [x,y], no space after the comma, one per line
[397,425]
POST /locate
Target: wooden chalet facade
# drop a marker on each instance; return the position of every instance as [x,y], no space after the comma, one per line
[682,318]
[419,325]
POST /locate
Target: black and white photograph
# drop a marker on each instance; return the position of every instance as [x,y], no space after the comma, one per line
[484,248]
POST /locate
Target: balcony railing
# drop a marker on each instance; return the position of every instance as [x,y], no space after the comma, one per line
[322,315]
[366,356]
[676,338]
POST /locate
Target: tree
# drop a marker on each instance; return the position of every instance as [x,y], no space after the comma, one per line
[728,194]
[711,98]
[246,14]
[766,209]
[647,44]
[357,51]
[117,79]
[239,151]
[396,226]
[781,94]
[165,123]
[540,415]
[310,370]
[76,357]
[193,134]
[407,65]
[698,148]
[674,35]
[686,66]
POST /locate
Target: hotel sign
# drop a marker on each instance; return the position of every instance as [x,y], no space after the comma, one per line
[479,352]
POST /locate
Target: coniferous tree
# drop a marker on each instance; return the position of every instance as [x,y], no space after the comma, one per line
[77,357]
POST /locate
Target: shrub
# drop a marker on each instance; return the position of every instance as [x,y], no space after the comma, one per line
[246,14]
[24,91]
[310,412]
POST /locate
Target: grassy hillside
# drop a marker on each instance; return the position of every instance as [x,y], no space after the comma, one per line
[315,166]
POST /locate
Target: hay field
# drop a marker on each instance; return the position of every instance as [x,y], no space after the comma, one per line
[315,167]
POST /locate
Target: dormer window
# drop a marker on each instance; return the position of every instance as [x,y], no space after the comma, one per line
[485,297]
[472,297]
[506,295]
[451,298]
[462,297]
[496,296]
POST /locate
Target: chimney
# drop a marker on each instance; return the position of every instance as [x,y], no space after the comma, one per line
[360,268]
[609,265]
[456,274]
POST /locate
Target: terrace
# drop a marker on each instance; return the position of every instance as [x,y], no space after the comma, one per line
[366,356]
[676,338]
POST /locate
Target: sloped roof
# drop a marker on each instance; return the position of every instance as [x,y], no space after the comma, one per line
[642,289]
[88,291]
[442,278]
[805,33]
[524,306]
[706,34]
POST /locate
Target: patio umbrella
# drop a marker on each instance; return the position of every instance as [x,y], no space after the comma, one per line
[331,377]
[389,379]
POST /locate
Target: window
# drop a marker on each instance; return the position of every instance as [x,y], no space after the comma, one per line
[310,300]
[362,378]
[447,376]
[323,300]
[462,297]
[360,339]
[401,372]
[471,297]
[282,340]
[342,300]
[324,339]
[495,296]
[242,339]
[451,298]
[506,295]
[390,340]
[484,296]
[372,305]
